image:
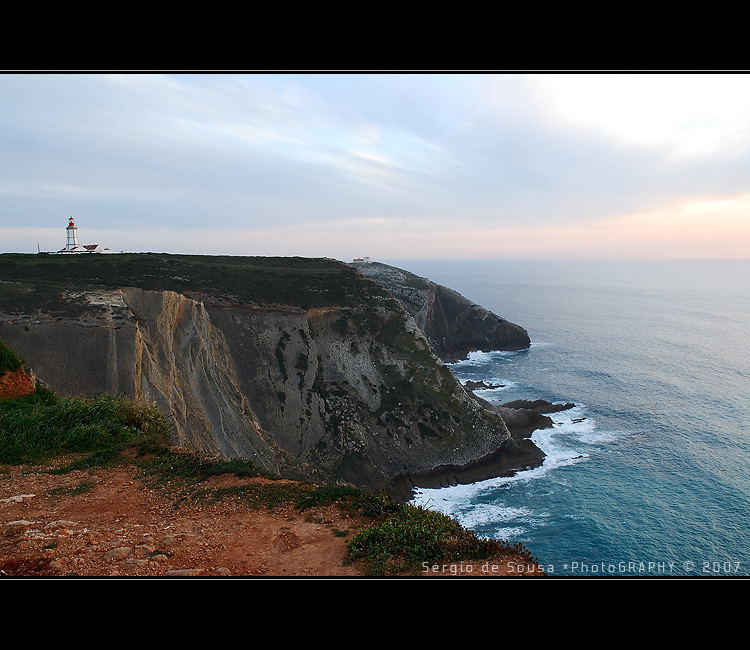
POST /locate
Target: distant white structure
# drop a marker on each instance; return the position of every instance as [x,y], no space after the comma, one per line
[361,260]
[72,245]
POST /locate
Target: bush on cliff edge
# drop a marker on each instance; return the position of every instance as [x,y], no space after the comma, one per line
[41,425]
[8,359]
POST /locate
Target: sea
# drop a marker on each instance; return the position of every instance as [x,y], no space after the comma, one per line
[649,474]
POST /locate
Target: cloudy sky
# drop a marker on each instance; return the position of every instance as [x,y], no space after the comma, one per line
[401,166]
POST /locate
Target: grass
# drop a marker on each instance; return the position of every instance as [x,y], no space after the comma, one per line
[8,359]
[411,537]
[179,471]
[257,495]
[36,282]
[41,425]
[81,488]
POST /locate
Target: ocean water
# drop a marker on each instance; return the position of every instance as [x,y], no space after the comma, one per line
[649,475]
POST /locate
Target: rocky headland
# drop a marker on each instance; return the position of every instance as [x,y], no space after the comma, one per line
[453,325]
[309,368]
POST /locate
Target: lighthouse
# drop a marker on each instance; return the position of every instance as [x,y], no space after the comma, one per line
[72,242]
[72,245]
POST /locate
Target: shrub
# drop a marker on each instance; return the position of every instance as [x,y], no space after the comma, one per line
[8,359]
[412,535]
[187,468]
[40,425]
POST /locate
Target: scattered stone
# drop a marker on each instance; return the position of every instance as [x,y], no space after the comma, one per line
[18,527]
[159,557]
[17,499]
[223,571]
[60,523]
[185,572]
[144,550]
[119,553]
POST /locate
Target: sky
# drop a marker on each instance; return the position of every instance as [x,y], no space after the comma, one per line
[390,166]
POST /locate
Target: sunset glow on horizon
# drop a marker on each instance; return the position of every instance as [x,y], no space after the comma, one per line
[513,166]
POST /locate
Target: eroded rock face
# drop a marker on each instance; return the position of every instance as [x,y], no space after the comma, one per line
[15,383]
[331,394]
[453,325]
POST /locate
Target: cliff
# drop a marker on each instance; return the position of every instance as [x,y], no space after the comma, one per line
[302,366]
[453,325]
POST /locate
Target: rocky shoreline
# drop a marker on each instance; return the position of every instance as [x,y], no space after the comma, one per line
[522,417]
[515,455]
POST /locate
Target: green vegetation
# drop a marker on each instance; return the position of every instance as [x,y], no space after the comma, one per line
[8,359]
[258,495]
[179,471]
[37,282]
[40,425]
[81,488]
[410,536]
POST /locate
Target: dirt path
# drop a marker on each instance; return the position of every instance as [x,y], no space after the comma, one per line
[115,526]
[106,522]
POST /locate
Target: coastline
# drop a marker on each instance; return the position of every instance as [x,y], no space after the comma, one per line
[515,455]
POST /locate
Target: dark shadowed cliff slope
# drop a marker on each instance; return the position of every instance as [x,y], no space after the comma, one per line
[453,325]
[302,365]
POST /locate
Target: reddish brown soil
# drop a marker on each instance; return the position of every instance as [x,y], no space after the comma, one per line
[117,526]
[15,384]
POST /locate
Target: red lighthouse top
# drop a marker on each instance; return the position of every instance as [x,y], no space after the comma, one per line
[71,223]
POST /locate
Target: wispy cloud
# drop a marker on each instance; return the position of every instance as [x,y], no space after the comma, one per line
[466,165]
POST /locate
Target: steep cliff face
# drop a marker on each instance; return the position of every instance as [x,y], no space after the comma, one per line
[453,325]
[332,393]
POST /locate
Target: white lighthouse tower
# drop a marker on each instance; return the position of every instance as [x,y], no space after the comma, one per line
[72,242]
[72,245]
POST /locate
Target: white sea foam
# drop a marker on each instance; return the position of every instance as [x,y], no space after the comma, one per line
[488,393]
[566,443]
[470,515]
[479,358]
[452,497]
[576,424]
[512,532]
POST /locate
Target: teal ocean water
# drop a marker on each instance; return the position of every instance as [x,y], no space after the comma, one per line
[649,475]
